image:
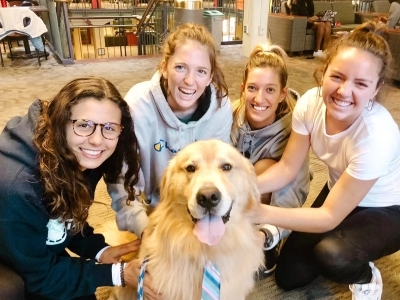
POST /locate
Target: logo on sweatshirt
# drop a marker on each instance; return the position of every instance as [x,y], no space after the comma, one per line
[57,232]
[164,144]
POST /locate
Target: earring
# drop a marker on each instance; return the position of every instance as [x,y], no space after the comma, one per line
[369,104]
[319,91]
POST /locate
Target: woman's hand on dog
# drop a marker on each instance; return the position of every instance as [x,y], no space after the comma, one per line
[113,254]
[258,213]
[132,270]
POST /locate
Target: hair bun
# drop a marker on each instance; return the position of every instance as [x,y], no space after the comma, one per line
[373,28]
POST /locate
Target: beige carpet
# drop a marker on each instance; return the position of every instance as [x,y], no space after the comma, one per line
[22,81]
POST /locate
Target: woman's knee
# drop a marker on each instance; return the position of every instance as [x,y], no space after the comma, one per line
[293,276]
[318,26]
[294,269]
[328,28]
[333,258]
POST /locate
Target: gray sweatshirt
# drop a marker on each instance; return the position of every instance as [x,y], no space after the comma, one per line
[161,135]
[270,142]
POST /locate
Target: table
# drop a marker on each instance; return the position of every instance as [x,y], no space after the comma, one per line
[10,15]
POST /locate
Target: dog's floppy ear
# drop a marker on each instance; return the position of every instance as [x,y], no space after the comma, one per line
[165,183]
[253,192]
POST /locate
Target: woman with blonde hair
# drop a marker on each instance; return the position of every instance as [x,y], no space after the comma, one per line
[261,128]
[186,100]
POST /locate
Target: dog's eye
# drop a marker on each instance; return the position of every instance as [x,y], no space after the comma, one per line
[190,169]
[226,167]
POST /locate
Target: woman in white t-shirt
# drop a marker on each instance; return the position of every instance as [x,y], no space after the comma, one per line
[356,217]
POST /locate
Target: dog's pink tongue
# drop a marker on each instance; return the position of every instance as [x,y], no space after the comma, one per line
[209,229]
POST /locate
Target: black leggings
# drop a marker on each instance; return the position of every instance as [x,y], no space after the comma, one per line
[342,254]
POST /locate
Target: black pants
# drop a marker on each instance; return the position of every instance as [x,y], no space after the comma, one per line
[342,254]
[35,297]
[90,297]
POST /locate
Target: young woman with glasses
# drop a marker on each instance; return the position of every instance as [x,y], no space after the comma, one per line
[52,159]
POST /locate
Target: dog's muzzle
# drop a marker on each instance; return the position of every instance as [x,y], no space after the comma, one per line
[225,218]
[208,198]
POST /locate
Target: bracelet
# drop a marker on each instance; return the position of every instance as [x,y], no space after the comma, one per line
[270,240]
[267,235]
[121,273]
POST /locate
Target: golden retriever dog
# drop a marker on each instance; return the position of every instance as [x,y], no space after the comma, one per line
[204,194]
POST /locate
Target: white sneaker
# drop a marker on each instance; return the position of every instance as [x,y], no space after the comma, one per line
[319,54]
[57,232]
[368,291]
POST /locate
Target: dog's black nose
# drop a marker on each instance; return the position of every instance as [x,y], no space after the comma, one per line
[208,197]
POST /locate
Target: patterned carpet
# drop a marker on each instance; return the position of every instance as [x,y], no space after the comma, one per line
[23,80]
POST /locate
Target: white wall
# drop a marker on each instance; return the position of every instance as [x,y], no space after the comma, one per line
[255,22]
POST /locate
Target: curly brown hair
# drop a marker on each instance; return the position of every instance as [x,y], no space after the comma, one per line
[66,190]
[200,34]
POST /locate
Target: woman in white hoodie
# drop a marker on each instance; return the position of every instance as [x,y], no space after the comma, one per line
[186,100]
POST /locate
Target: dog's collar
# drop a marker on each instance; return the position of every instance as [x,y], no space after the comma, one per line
[211,285]
[141,279]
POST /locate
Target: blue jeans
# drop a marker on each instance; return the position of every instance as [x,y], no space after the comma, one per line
[37,43]
[341,254]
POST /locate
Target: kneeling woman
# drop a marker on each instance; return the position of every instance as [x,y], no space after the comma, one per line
[51,160]
[355,218]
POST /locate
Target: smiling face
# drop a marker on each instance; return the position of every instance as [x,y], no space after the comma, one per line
[188,73]
[349,82]
[93,150]
[262,94]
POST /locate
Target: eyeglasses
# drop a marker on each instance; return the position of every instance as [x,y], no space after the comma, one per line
[109,131]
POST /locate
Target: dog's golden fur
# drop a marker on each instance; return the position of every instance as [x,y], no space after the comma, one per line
[176,255]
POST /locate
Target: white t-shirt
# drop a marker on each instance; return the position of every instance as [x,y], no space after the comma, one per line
[368,149]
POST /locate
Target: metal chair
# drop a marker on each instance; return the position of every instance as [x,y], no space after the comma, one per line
[1,57]
[25,39]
